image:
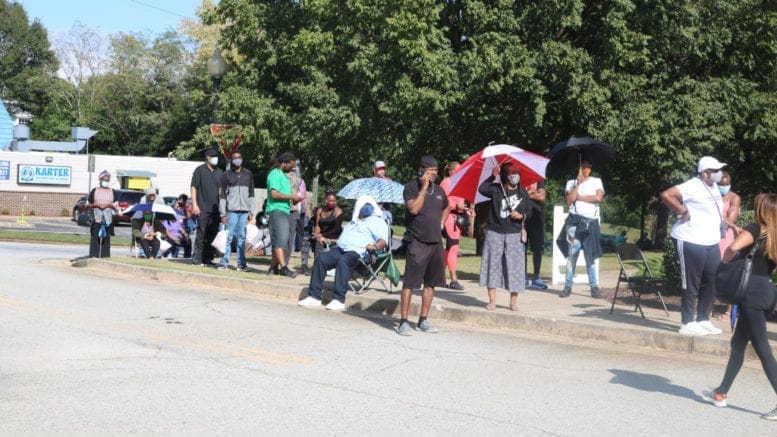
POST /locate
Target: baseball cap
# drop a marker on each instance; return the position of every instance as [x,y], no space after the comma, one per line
[211,152]
[428,162]
[379,164]
[709,163]
[150,190]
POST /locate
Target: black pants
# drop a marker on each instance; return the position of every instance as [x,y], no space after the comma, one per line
[207,228]
[150,247]
[751,327]
[535,232]
[697,272]
[99,247]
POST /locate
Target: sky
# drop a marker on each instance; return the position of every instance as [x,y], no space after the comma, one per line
[111,16]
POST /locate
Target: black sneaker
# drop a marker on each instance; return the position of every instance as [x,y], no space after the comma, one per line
[273,270]
[305,270]
[286,271]
[565,292]
[595,293]
[455,286]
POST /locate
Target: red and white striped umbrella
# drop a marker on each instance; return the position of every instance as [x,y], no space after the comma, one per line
[478,167]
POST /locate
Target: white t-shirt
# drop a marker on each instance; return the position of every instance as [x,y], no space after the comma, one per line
[587,188]
[705,205]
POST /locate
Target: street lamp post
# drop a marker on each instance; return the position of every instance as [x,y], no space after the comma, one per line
[216,69]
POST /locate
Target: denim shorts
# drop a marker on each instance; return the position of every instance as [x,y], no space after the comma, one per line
[279,229]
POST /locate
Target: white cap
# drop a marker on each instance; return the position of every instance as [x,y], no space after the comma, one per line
[379,164]
[709,163]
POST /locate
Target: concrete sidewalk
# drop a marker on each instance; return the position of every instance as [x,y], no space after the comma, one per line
[577,317]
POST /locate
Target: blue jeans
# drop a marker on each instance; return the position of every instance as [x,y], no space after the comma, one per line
[236,225]
[574,251]
[342,262]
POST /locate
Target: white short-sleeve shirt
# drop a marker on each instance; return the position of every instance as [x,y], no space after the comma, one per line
[705,205]
[587,188]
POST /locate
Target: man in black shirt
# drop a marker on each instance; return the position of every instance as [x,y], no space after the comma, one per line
[427,210]
[205,203]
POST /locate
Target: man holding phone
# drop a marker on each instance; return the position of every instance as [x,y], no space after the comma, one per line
[427,210]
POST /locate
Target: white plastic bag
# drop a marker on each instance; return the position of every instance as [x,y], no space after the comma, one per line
[164,246]
[220,242]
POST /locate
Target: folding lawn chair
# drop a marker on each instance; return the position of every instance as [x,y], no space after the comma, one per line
[636,273]
[378,266]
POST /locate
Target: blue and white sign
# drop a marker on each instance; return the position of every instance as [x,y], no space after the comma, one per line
[44,174]
[5,170]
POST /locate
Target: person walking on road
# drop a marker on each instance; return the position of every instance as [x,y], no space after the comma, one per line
[759,301]
[427,210]
[279,199]
[236,207]
[699,208]
[502,265]
[205,204]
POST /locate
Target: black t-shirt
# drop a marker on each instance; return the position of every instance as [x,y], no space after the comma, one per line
[499,213]
[537,206]
[425,226]
[762,265]
[207,182]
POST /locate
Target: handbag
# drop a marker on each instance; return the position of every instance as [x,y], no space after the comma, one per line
[86,218]
[731,279]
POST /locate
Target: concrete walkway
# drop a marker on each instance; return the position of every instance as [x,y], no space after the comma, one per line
[576,317]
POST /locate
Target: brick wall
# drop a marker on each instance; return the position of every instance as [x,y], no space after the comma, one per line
[43,204]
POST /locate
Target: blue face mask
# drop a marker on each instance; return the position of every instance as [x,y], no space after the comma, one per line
[366,211]
[724,189]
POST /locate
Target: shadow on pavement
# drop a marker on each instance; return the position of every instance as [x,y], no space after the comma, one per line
[632,318]
[379,312]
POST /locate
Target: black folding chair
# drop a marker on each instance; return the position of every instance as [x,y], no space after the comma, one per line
[636,274]
[376,266]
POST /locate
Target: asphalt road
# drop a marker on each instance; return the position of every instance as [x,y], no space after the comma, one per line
[84,354]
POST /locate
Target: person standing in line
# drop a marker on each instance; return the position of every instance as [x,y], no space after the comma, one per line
[452,231]
[279,200]
[205,205]
[379,170]
[731,209]
[697,233]
[293,174]
[503,250]
[104,205]
[581,228]
[427,210]
[759,301]
[236,208]
[535,233]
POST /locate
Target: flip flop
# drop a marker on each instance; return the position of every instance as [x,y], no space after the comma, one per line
[491,307]
[514,307]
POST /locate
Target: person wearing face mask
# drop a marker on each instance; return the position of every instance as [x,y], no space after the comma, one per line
[581,228]
[205,205]
[731,209]
[502,265]
[698,206]
[367,233]
[103,202]
[147,230]
[236,208]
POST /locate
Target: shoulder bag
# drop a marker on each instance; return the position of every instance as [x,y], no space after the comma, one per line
[731,279]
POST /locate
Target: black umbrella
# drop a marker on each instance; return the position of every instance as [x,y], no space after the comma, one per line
[570,152]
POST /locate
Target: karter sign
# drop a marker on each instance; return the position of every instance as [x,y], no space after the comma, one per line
[43,174]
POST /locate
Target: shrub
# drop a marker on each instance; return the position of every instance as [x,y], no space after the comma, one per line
[671,267]
[32,212]
[5,211]
[65,212]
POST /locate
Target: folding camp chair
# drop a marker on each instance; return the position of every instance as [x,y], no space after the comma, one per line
[636,273]
[378,266]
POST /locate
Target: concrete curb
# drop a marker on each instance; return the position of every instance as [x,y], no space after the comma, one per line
[388,304]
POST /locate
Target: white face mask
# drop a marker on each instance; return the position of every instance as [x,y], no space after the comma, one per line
[717,176]
[214,160]
[104,184]
[514,179]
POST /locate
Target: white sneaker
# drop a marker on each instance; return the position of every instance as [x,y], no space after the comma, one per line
[335,305]
[309,301]
[709,327]
[693,329]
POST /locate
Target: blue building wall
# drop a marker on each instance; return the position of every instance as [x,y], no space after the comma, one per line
[6,126]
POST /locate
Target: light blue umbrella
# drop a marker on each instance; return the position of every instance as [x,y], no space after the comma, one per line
[382,190]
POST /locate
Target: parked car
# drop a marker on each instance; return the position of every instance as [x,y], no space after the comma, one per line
[126,198]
